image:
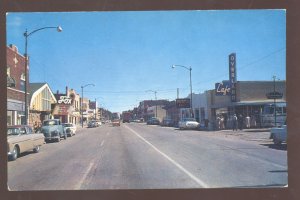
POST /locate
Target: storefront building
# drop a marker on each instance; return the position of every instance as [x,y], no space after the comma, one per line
[15,86]
[252,101]
[41,98]
[67,108]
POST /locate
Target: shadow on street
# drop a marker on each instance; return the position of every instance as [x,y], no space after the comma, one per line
[282,147]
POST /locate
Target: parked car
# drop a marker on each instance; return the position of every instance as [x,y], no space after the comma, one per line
[53,130]
[70,129]
[278,134]
[98,123]
[153,121]
[92,124]
[22,138]
[188,123]
[167,122]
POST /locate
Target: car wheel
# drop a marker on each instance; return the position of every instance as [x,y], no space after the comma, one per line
[15,153]
[276,141]
[36,149]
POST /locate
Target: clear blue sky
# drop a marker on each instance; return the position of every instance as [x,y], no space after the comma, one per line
[127,53]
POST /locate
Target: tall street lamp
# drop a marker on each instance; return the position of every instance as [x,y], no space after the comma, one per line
[81,104]
[191,101]
[155,92]
[26,35]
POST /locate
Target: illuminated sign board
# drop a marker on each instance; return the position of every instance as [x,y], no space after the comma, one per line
[232,76]
[183,103]
[223,89]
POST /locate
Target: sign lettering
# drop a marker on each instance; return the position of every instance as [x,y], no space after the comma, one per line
[222,89]
[64,100]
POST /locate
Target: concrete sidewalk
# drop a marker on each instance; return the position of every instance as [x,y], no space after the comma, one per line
[260,135]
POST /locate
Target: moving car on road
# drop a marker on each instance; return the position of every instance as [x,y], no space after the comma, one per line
[188,123]
[22,138]
[70,129]
[53,130]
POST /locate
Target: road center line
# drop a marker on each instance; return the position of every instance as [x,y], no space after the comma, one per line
[102,143]
[79,184]
[200,182]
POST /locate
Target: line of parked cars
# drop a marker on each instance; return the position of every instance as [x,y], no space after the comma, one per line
[22,138]
[94,123]
[186,123]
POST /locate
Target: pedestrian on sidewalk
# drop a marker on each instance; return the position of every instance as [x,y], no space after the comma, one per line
[241,121]
[234,122]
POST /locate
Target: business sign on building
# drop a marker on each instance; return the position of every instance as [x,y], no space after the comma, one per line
[223,88]
[92,105]
[183,103]
[274,95]
[232,76]
[64,100]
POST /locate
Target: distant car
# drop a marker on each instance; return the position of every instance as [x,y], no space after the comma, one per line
[116,122]
[70,129]
[153,121]
[92,124]
[167,122]
[188,123]
[53,130]
[22,138]
[98,123]
[278,134]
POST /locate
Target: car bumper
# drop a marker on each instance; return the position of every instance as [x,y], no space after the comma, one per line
[52,138]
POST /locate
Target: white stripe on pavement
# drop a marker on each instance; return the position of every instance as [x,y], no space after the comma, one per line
[200,182]
[79,184]
[102,143]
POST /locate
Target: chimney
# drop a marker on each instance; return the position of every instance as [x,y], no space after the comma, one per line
[14,48]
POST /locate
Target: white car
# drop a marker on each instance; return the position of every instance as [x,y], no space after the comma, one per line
[278,134]
[188,123]
[70,129]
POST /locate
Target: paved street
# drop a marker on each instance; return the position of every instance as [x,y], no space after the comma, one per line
[138,156]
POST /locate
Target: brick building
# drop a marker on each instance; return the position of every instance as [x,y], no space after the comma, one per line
[15,86]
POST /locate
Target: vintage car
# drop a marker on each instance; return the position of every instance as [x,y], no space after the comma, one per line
[53,130]
[188,123]
[22,138]
[116,122]
[278,134]
[153,121]
[70,129]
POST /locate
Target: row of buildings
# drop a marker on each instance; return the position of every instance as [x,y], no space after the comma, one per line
[42,102]
[251,101]
[264,102]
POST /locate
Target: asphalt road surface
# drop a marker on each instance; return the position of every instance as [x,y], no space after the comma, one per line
[138,156]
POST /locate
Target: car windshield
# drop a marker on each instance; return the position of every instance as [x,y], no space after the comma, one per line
[50,123]
[13,131]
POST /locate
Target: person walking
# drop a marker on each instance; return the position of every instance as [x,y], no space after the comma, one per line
[234,122]
[240,121]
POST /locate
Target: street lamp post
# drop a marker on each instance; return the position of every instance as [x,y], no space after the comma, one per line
[81,104]
[274,91]
[26,35]
[155,92]
[191,91]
